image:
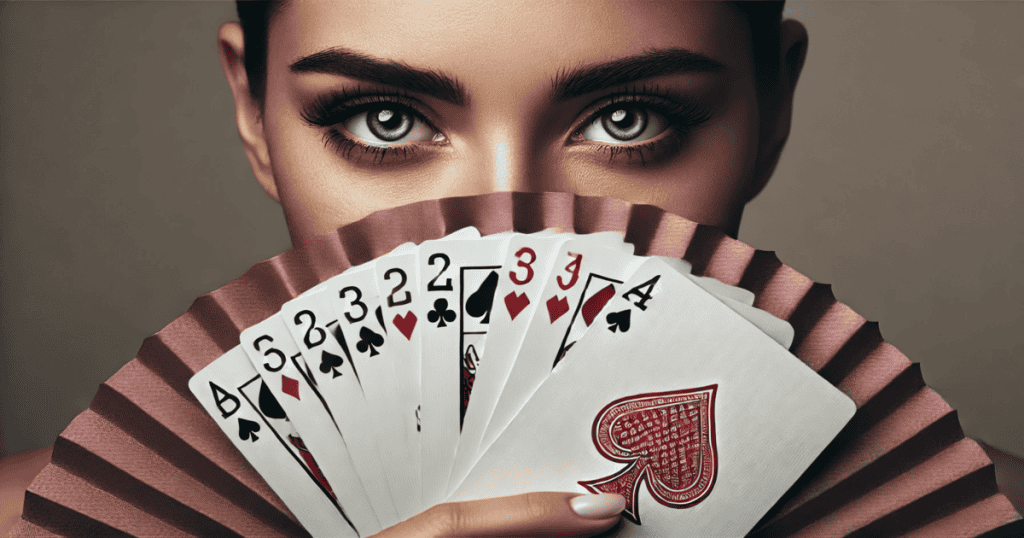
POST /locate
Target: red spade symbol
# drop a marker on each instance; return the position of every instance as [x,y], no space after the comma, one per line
[667,440]
[405,324]
[515,303]
[557,307]
[595,303]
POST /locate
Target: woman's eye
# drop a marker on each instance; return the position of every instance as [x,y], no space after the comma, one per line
[385,127]
[621,124]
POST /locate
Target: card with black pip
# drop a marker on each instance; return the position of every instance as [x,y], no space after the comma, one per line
[355,476]
[457,279]
[233,393]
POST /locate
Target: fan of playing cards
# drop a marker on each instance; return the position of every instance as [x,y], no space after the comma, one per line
[498,344]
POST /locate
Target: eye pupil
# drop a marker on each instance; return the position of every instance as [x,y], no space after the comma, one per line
[389,125]
[625,124]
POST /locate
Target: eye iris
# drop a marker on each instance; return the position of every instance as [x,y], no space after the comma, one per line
[625,124]
[389,125]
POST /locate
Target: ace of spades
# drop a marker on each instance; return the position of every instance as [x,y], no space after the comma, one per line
[723,385]
[230,390]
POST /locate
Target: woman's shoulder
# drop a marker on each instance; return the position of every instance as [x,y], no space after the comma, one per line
[16,473]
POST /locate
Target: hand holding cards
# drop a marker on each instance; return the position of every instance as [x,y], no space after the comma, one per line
[544,362]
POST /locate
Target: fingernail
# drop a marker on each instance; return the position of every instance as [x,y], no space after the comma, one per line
[598,506]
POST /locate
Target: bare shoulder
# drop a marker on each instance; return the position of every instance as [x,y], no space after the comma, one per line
[16,473]
[1009,475]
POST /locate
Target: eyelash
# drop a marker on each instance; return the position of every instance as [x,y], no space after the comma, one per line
[681,113]
[329,110]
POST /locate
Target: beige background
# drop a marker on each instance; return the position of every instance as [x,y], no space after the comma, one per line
[126,193]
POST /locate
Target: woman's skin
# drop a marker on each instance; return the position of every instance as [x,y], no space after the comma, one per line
[509,96]
[504,96]
[509,89]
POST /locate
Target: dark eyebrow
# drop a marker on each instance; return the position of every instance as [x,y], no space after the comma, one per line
[582,80]
[344,62]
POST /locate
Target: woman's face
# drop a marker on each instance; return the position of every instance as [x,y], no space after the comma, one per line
[366,109]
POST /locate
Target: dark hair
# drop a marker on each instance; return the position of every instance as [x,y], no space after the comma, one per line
[763,20]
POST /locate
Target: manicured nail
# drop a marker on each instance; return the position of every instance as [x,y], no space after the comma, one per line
[598,506]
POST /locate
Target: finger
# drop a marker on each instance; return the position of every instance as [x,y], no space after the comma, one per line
[531,514]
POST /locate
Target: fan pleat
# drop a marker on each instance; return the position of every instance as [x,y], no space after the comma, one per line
[63,503]
[901,465]
[889,510]
[860,460]
[884,367]
[969,521]
[100,452]
[537,211]
[178,430]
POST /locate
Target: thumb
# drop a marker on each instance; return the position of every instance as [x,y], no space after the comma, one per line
[530,514]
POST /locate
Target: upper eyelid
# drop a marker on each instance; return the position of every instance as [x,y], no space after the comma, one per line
[592,111]
[359,97]
[329,105]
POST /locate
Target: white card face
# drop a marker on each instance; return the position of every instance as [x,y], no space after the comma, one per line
[229,389]
[724,290]
[528,261]
[456,290]
[583,279]
[384,420]
[738,299]
[698,418]
[779,330]
[397,280]
[276,357]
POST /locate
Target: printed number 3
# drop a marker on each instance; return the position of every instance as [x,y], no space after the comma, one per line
[525,265]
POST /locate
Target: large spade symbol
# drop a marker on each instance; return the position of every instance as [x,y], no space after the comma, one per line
[479,303]
[269,405]
[667,440]
[595,303]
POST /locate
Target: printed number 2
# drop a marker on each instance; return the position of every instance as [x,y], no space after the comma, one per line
[402,278]
[447,286]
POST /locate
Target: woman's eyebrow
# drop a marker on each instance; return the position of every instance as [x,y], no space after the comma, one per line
[571,83]
[347,63]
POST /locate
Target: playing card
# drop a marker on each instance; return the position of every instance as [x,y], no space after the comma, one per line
[361,319]
[529,259]
[457,279]
[739,300]
[358,479]
[676,402]
[584,278]
[233,393]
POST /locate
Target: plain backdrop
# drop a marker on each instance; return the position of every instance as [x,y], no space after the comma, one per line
[126,192]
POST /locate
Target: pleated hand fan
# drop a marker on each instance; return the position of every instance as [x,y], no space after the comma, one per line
[146,459]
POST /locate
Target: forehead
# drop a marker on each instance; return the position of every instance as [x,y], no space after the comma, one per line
[507,38]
